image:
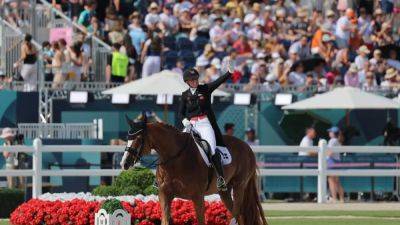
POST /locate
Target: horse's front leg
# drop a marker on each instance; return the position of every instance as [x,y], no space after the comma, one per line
[200,210]
[165,203]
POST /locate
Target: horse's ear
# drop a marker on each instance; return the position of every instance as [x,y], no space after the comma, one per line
[129,121]
[144,117]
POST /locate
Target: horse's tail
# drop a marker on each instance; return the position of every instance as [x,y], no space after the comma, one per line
[252,211]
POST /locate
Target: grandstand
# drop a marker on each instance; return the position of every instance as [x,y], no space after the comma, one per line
[57,59]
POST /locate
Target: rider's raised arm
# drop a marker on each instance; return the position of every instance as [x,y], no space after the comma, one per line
[215,84]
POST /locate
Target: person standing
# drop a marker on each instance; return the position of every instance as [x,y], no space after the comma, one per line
[151,54]
[28,60]
[117,66]
[11,157]
[308,141]
[229,129]
[251,137]
[335,187]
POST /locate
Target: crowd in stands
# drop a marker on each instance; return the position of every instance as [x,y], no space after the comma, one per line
[276,43]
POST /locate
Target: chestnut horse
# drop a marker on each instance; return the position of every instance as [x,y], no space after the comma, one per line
[182,172]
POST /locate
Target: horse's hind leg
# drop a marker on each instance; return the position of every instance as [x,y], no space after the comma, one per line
[200,210]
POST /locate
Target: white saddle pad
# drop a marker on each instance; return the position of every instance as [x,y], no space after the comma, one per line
[226,156]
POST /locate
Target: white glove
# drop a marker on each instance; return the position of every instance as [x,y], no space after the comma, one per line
[186,122]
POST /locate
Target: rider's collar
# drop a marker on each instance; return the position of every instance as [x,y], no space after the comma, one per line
[193,90]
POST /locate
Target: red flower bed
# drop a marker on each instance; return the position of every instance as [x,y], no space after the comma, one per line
[80,212]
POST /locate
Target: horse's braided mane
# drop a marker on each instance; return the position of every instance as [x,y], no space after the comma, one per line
[169,126]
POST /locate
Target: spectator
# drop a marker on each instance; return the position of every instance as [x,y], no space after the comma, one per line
[335,186]
[213,72]
[28,58]
[76,58]
[242,46]
[218,36]
[152,19]
[151,55]
[252,19]
[229,129]
[308,141]
[136,32]
[56,66]
[351,77]
[117,66]
[251,137]
[362,56]
[297,77]
[47,60]
[301,47]
[390,79]
[271,84]
[344,28]
[87,14]
[236,31]
[129,50]
[11,157]
[180,66]
[370,82]
[169,24]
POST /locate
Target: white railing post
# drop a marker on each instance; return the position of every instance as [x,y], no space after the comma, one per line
[37,168]
[322,178]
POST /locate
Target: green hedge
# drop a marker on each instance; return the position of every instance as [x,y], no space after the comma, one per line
[134,181]
[10,199]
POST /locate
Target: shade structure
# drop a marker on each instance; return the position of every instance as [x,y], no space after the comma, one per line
[164,82]
[344,98]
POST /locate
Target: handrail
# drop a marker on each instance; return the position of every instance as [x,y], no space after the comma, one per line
[74,24]
[18,31]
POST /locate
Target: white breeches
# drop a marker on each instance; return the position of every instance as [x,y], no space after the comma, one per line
[151,65]
[204,128]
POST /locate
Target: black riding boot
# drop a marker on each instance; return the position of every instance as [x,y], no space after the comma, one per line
[216,161]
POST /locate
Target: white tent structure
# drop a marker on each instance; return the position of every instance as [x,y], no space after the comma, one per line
[344,98]
[164,82]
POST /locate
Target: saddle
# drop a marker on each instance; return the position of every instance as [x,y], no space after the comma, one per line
[205,150]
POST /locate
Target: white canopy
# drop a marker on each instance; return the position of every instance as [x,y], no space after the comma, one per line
[164,82]
[345,98]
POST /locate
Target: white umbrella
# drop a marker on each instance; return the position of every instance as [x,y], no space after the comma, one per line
[344,98]
[164,82]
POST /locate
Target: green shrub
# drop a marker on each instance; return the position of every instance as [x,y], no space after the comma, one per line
[111,205]
[106,191]
[140,177]
[130,182]
[10,199]
[150,190]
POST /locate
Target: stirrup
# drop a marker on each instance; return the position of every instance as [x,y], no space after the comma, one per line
[221,184]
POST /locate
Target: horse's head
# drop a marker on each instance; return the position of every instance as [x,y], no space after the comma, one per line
[136,142]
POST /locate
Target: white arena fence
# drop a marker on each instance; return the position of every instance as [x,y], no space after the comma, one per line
[321,172]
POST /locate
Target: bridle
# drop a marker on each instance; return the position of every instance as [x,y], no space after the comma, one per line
[136,152]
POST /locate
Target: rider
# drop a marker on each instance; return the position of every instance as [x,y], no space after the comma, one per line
[195,109]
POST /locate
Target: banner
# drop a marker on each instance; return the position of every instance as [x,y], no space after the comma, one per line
[61,33]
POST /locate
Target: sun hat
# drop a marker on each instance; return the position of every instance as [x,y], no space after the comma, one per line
[326,38]
[390,73]
[216,62]
[6,132]
[153,5]
[270,77]
[353,68]
[237,20]
[364,49]
[329,13]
